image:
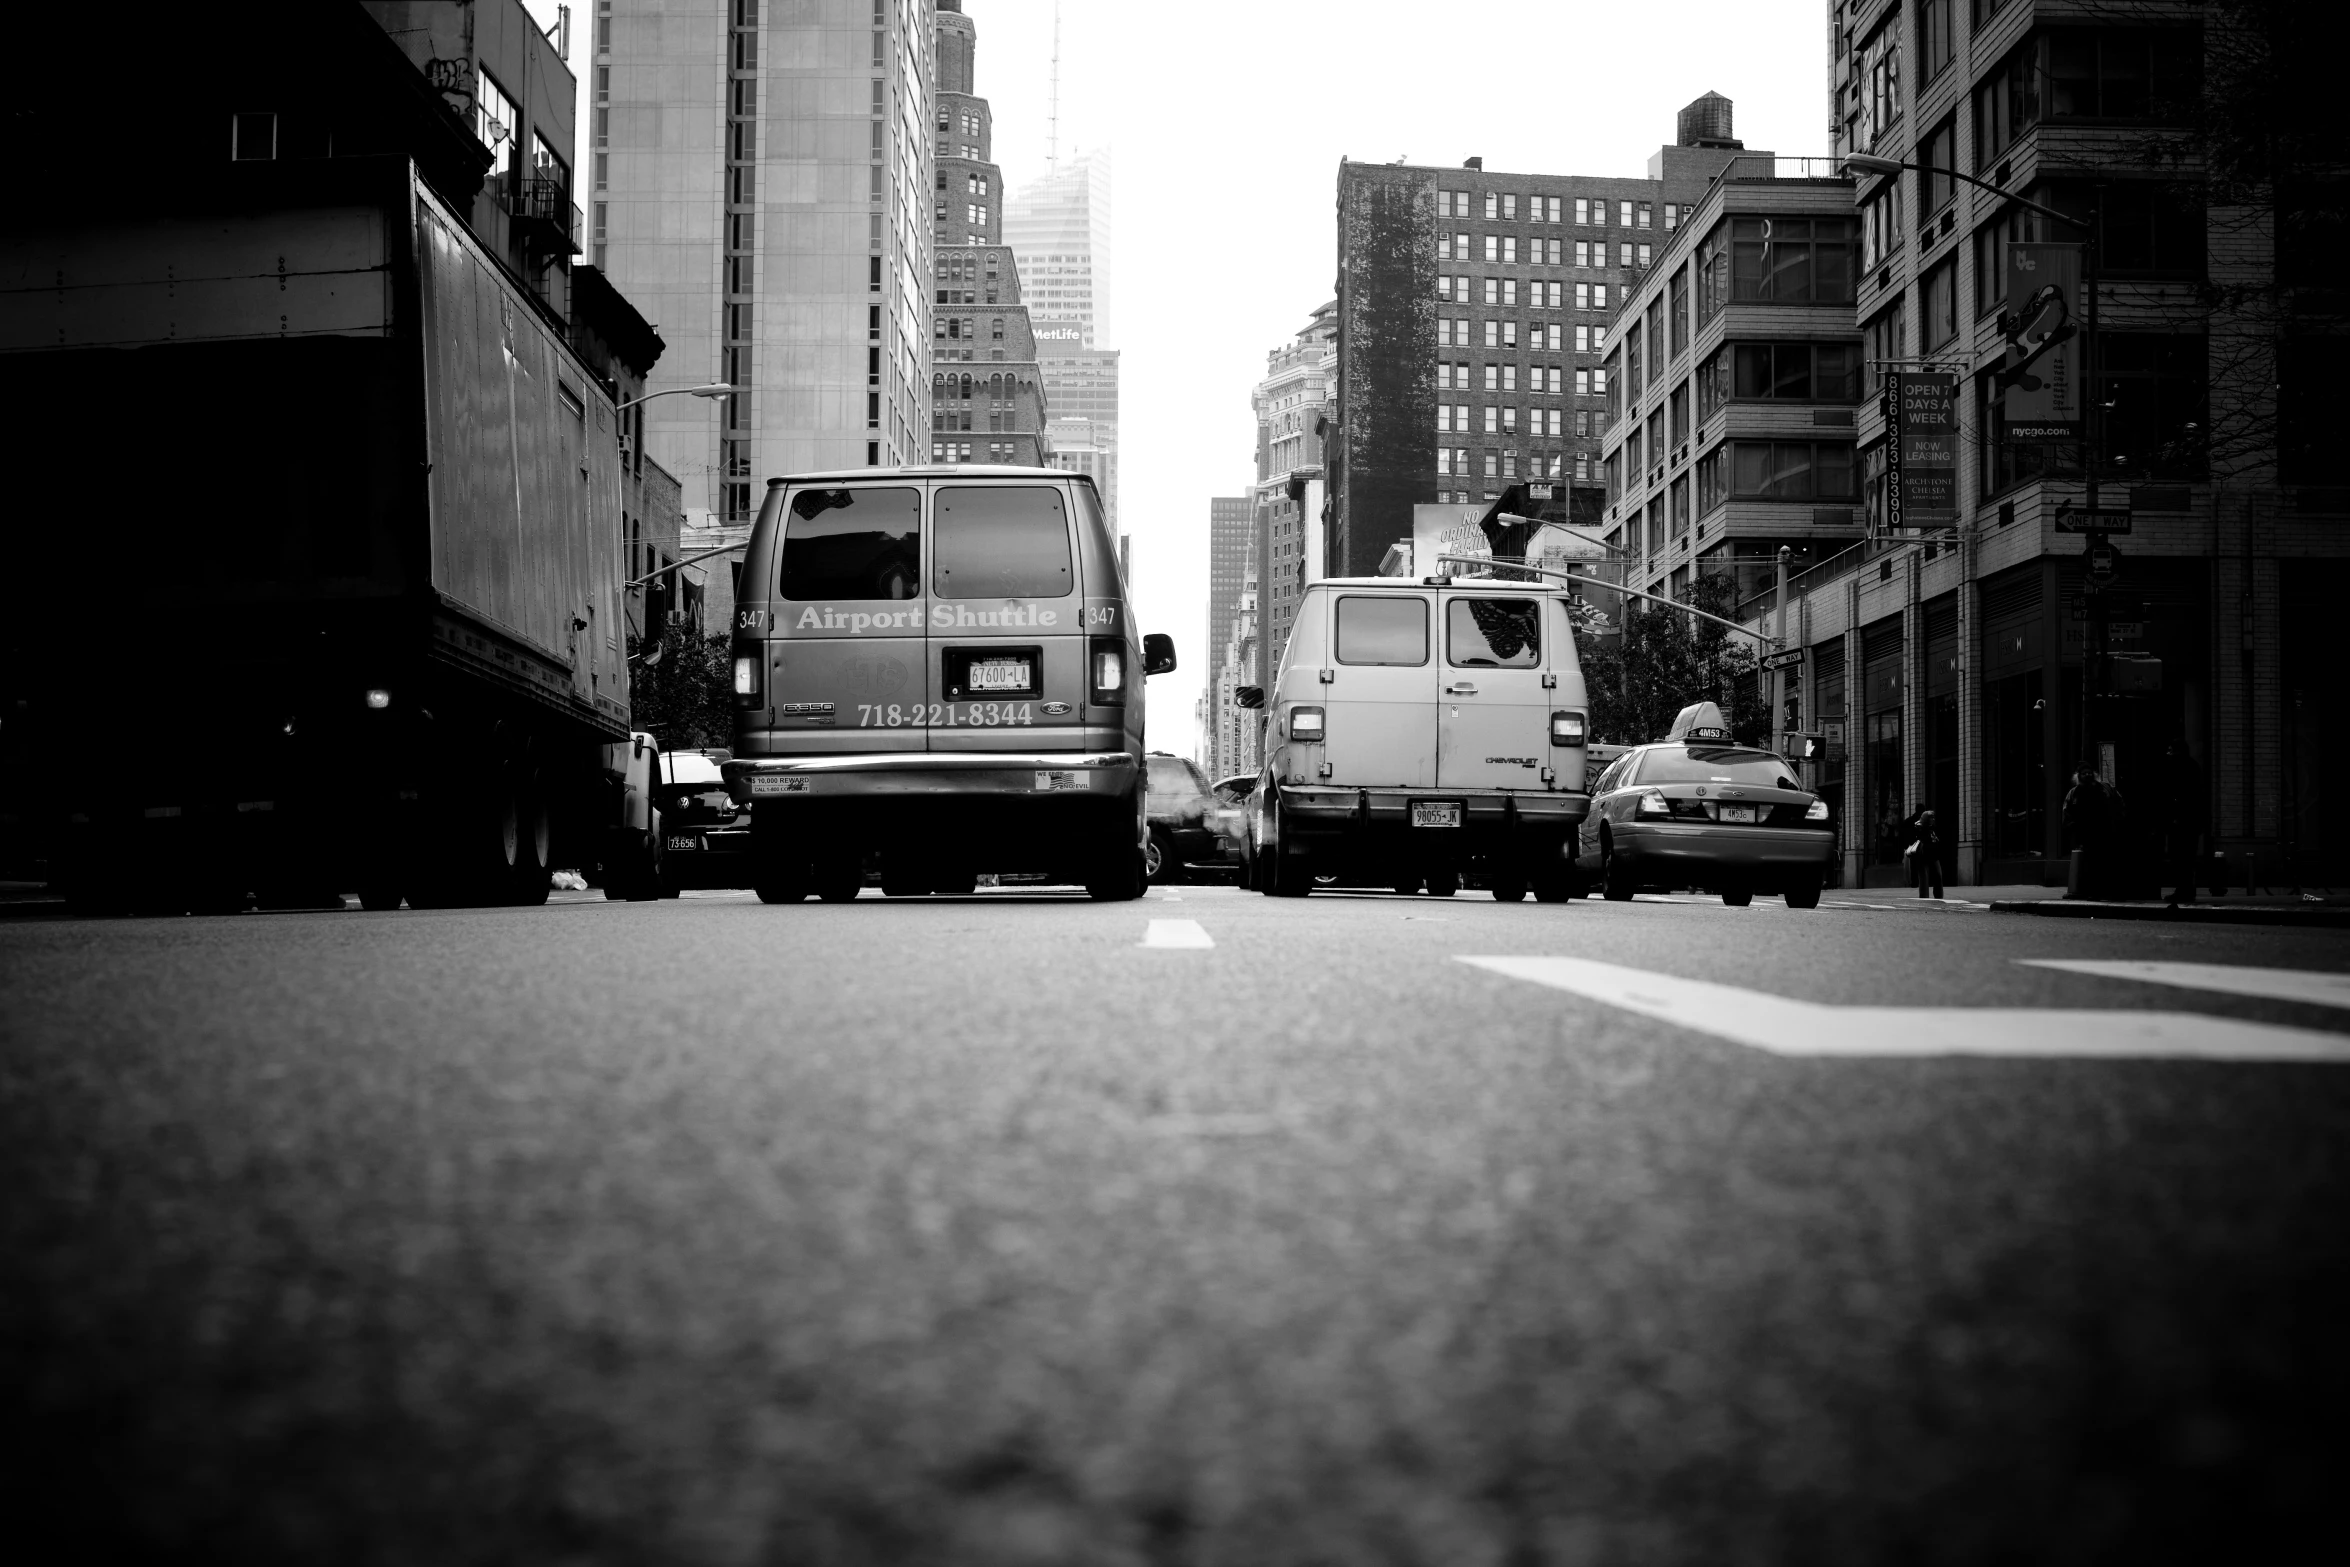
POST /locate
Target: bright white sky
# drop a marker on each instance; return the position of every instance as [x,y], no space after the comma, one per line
[1226,120]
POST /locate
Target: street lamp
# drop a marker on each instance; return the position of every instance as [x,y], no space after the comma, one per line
[715,389]
[2095,654]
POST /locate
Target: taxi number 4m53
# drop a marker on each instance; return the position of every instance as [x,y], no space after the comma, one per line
[944,715]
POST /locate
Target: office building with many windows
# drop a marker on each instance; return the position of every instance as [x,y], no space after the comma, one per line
[1059,229]
[758,173]
[1471,323]
[1224,724]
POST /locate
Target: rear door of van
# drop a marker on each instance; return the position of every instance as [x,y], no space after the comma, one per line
[1007,648]
[847,670]
[1379,658]
[1493,712]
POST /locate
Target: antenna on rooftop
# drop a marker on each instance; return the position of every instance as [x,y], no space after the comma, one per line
[1052,134]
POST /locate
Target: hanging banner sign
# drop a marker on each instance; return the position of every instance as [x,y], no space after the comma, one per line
[1925,448]
[2040,379]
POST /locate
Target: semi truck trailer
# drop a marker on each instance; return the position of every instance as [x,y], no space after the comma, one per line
[320,555]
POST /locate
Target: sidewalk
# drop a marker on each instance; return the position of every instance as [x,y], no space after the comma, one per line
[2322,907]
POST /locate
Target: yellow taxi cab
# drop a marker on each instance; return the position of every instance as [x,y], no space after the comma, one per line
[1697,809]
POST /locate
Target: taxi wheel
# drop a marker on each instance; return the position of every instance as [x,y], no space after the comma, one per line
[1806,896]
[1737,897]
[1615,877]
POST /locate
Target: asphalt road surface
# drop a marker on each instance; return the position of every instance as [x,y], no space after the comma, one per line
[1205,1230]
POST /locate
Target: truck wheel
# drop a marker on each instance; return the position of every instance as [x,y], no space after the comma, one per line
[1443,884]
[1556,881]
[1158,859]
[1615,876]
[1508,887]
[1737,897]
[839,877]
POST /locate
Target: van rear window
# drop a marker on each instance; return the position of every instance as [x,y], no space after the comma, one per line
[853,544]
[1382,630]
[1001,543]
[1483,633]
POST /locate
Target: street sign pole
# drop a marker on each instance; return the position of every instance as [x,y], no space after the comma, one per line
[2092,454]
[1779,642]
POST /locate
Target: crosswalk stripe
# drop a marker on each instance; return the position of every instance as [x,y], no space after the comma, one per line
[1176,933]
[2270,984]
[1788,1027]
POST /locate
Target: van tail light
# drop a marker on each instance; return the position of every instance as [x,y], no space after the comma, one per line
[746,679]
[1305,723]
[1566,729]
[1654,803]
[1108,662]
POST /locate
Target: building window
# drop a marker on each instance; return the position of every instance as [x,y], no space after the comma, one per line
[1492,206]
[1791,470]
[1937,157]
[1934,42]
[1880,225]
[1623,214]
[1641,215]
[2156,412]
[1885,340]
[1788,261]
[1633,380]
[1677,307]
[496,121]
[1673,211]
[1938,316]
[1880,77]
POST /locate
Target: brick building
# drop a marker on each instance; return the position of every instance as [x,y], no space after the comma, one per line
[987,392]
[1471,316]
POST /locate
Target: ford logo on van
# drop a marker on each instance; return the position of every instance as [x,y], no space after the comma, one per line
[1056,709]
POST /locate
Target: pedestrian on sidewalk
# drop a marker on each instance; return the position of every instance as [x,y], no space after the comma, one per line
[2186,808]
[1925,851]
[2093,820]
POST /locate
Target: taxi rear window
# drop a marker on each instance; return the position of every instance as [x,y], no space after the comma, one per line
[1001,543]
[1382,630]
[853,544]
[1712,764]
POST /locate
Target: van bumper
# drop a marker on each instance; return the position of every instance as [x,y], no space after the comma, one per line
[972,774]
[1318,806]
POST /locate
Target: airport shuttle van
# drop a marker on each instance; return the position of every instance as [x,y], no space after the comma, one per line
[938,668]
[1424,729]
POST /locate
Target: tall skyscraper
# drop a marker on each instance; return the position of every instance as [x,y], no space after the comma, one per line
[988,396]
[1059,227]
[1227,560]
[757,182]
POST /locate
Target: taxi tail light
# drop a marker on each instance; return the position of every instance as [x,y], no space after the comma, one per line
[1307,724]
[1654,803]
[1817,811]
[1108,664]
[1566,729]
[746,679]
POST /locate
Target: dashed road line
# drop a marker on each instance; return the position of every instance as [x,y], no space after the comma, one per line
[1176,933]
[1788,1027]
[2270,984]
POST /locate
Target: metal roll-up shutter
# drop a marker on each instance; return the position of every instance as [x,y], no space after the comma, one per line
[1940,617]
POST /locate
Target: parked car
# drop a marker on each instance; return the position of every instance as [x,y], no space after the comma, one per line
[705,836]
[1189,840]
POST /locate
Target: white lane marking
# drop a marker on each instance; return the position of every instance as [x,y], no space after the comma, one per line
[1176,933]
[1806,1028]
[2271,984]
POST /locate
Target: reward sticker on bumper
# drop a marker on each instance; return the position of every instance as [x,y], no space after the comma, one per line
[1046,782]
[777,783]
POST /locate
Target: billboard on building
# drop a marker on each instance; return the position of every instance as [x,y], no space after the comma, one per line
[2040,379]
[1447,529]
[1924,450]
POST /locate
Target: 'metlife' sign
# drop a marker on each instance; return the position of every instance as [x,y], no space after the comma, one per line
[2039,381]
[1924,450]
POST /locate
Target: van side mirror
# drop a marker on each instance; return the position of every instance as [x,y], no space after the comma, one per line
[1158,654]
[1249,696]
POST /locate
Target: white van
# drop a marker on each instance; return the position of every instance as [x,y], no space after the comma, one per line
[1421,730]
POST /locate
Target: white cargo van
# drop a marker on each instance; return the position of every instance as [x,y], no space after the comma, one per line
[1419,730]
